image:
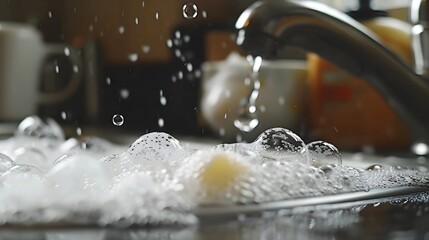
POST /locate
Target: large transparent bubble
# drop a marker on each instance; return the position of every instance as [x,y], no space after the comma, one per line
[280,144]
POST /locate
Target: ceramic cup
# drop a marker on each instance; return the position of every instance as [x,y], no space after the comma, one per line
[22,57]
[281,101]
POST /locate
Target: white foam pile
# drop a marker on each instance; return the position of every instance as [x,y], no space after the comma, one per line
[45,179]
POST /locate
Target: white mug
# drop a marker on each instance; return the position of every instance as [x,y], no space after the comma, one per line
[22,55]
[281,101]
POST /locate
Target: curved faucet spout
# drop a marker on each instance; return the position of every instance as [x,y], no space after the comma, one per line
[267,27]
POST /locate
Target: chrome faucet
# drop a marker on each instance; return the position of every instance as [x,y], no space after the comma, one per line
[267,27]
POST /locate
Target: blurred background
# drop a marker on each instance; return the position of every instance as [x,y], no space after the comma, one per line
[147,61]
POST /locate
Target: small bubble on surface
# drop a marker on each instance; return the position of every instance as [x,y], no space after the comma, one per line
[374,167]
[190,10]
[118,120]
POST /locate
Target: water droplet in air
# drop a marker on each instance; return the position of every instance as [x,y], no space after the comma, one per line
[118,120]
[79,131]
[75,69]
[190,11]
[161,122]
[322,153]
[420,148]
[157,16]
[189,67]
[163,100]
[67,51]
[50,14]
[204,14]
[108,81]
[57,69]
[136,20]
[121,29]
[145,48]
[133,57]
[169,43]
[124,93]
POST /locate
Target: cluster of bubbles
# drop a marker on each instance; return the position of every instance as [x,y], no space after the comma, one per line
[45,178]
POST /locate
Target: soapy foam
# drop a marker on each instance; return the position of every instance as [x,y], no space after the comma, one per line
[47,179]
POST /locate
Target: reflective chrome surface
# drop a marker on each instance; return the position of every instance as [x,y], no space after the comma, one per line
[267,27]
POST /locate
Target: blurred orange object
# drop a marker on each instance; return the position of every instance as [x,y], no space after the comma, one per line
[346,110]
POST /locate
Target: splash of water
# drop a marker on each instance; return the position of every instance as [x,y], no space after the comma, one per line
[247,119]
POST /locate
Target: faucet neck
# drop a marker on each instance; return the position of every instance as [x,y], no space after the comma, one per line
[419,17]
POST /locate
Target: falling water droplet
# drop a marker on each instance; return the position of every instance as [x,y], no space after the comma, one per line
[161,122]
[75,69]
[136,20]
[79,131]
[57,69]
[157,15]
[108,81]
[124,93]
[50,14]
[204,14]
[67,51]
[169,43]
[145,48]
[189,67]
[63,115]
[121,29]
[190,11]
[118,120]
[133,57]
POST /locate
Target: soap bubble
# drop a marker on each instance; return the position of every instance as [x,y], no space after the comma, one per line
[5,163]
[34,126]
[118,120]
[322,153]
[76,174]
[277,143]
[156,150]
[190,11]
[374,167]
[31,156]
[20,174]
[94,146]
